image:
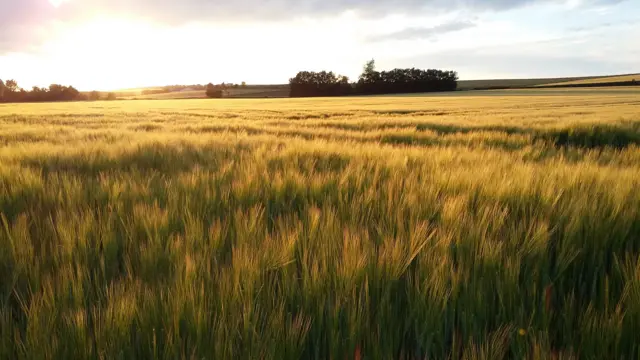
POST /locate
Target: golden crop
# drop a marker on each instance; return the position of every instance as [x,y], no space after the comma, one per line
[377,227]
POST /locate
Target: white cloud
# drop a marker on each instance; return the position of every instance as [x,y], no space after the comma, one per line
[110,51]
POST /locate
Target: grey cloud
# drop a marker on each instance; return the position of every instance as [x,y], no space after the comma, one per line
[519,64]
[605,25]
[185,10]
[415,33]
[18,22]
[189,10]
[30,13]
[181,11]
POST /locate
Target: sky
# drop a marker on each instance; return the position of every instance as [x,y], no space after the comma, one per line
[116,44]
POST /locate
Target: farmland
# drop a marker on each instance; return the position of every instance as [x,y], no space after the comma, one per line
[599,80]
[280,91]
[498,226]
[251,91]
[515,83]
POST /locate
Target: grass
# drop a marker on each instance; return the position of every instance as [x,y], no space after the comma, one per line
[348,228]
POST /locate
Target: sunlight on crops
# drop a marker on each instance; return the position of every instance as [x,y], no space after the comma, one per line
[372,227]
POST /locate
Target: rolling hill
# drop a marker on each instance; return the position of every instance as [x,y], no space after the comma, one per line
[282,90]
[598,80]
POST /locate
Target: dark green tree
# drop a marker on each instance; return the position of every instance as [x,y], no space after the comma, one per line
[369,73]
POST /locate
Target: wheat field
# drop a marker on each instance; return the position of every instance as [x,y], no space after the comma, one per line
[504,227]
[599,80]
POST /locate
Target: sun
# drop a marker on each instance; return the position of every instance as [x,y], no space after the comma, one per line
[57,3]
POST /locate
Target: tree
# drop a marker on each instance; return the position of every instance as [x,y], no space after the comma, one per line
[12,85]
[404,80]
[308,83]
[244,84]
[371,81]
[111,96]
[94,96]
[62,93]
[10,91]
[213,91]
[369,71]
[38,94]
[69,93]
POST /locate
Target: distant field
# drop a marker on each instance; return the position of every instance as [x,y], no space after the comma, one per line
[196,94]
[505,83]
[527,92]
[255,91]
[139,90]
[404,227]
[273,91]
[132,92]
[280,91]
[600,80]
[519,83]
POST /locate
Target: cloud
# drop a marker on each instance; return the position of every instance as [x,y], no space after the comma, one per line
[268,9]
[181,11]
[601,26]
[20,22]
[416,33]
[19,18]
[189,10]
[551,58]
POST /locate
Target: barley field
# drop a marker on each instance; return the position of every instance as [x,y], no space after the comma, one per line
[494,227]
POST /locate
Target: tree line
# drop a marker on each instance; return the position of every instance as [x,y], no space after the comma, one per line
[371,82]
[11,92]
[218,91]
[304,84]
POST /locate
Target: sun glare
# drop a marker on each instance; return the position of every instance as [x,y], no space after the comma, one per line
[134,53]
[111,51]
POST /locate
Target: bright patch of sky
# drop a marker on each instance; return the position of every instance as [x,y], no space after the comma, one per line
[97,44]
